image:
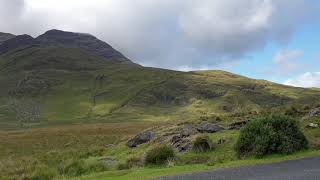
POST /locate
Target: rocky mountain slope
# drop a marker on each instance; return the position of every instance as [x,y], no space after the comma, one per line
[76,77]
[5,37]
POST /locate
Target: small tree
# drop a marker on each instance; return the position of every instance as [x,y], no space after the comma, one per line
[271,134]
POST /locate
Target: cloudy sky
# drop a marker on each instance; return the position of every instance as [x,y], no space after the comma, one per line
[277,40]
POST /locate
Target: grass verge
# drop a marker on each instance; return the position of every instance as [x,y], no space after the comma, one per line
[150,173]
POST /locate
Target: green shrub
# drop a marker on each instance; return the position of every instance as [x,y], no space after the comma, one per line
[159,155]
[202,144]
[271,134]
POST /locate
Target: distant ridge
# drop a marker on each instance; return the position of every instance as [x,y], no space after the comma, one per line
[58,38]
[5,37]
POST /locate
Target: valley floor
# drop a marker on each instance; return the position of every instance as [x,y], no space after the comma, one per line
[78,151]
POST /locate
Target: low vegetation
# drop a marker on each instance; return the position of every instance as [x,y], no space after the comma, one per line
[159,155]
[202,144]
[269,135]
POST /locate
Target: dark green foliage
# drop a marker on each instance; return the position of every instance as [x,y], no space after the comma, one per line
[159,155]
[271,134]
[202,144]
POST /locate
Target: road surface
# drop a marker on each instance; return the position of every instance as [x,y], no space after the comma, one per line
[302,169]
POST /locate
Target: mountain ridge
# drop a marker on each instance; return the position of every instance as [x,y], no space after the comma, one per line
[72,84]
[65,39]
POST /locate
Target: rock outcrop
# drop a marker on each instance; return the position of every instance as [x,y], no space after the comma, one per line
[206,127]
[186,130]
[314,112]
[141,138]
[181,144]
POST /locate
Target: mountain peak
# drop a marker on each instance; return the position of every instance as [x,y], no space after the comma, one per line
[81,40]
[56,33]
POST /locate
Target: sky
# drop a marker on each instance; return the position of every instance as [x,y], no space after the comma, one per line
[275,40]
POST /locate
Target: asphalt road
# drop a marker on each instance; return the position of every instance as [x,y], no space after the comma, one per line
[303,169]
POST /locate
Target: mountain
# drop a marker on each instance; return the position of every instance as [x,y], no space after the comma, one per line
[76,77]
[5,37]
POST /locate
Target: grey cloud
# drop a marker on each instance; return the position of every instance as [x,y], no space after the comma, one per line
[168,33]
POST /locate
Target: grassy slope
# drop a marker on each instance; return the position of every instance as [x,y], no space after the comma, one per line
[131,92]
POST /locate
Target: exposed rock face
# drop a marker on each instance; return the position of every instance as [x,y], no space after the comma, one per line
[206,127]
[314,112]
[81,40]
[181,144]
[141,138]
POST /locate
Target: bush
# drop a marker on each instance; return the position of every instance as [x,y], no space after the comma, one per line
[159,155]
[202,144]
[271,134]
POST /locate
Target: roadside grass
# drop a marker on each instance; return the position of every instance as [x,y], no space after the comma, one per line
[150,173]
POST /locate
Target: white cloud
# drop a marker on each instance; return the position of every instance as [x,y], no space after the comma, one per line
[166,33]
[308,79]
[285,56]
[288,61]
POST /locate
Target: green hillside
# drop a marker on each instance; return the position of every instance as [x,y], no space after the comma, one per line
[73,83]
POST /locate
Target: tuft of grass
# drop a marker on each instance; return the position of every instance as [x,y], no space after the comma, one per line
[159,155]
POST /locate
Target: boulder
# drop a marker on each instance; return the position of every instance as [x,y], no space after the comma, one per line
[314,112]
[181,144]
[186,130]
[141,138]
[206,127]
[313,125]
